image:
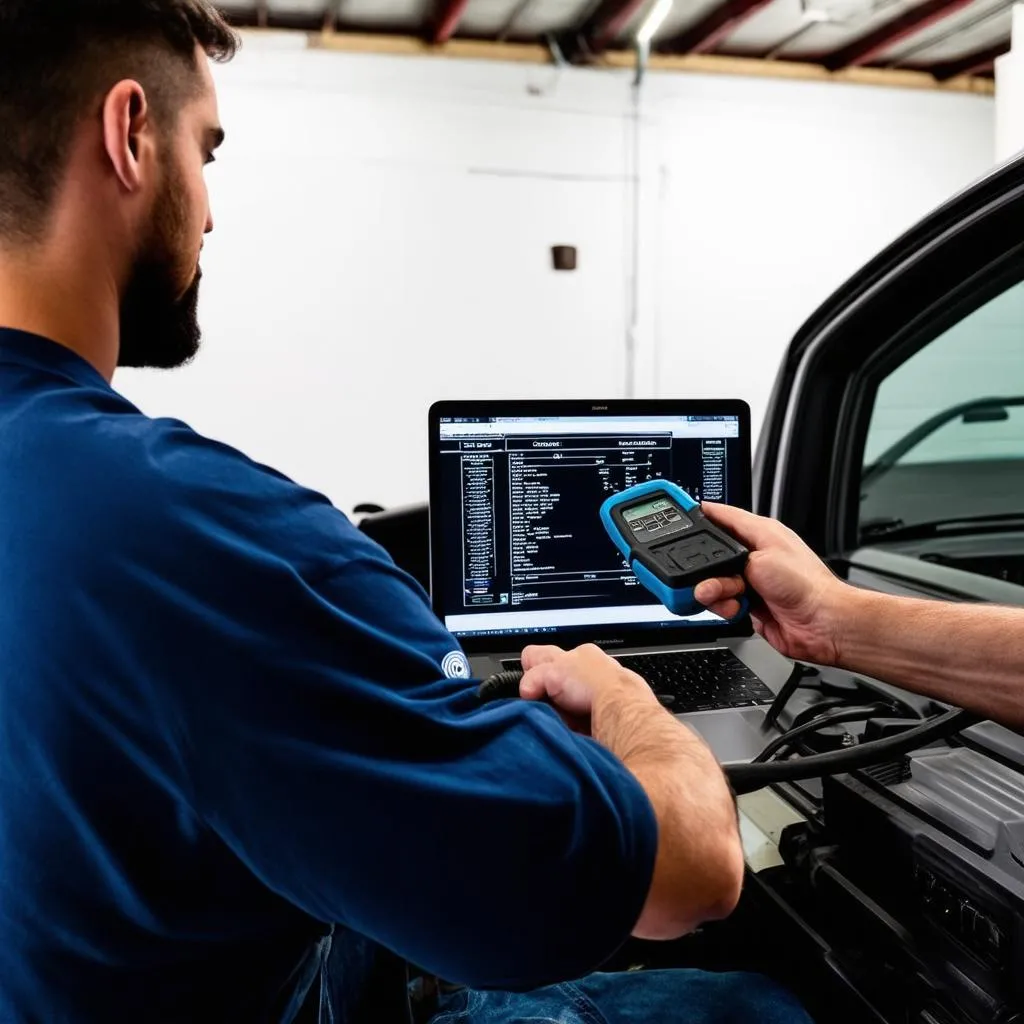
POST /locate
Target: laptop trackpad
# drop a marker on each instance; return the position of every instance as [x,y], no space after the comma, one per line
[732,735]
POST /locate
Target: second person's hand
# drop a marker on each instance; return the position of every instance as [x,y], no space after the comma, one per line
[802,603]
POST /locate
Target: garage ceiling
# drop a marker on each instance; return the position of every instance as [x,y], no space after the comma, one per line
[944,37]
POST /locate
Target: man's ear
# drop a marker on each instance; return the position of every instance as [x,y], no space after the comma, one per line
[127,132]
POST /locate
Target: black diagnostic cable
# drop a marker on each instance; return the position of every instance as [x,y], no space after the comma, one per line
[819,708]
[500,686]
[746,778]
[789,687]
[835,716]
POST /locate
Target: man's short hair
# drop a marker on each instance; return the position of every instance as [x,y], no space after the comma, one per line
[58,58]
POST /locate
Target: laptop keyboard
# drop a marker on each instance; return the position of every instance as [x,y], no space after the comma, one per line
[704,680]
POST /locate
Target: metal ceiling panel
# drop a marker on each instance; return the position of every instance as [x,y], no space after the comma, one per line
[845,27]
[400,15]
[239,8]
[629,29]
[303,14]
[486,18]
[291,7]
[684,17]
[961,44]
[976,27]
[544,16]
[783,19]
[780,29]
[766,29]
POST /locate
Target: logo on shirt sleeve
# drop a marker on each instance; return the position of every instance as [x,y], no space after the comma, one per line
[455,665]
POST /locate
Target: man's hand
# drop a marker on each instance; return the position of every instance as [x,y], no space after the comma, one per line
[574,680]
[699,868]
[802,601]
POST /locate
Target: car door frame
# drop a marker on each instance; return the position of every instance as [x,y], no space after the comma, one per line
[808,464]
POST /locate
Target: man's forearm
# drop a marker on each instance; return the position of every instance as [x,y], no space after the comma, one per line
[699,867]
[965,654]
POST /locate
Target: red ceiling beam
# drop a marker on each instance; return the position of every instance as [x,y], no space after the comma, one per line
[972,63]
[870,46]
[608,22]
[447,20]
[712,29]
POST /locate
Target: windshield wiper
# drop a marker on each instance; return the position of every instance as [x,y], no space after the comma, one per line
[897,529]
[978,410]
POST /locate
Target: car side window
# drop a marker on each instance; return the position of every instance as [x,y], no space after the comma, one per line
[945,449]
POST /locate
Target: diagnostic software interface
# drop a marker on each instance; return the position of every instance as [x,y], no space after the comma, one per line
[524,550]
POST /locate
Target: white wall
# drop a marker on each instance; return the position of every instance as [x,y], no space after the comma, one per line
[776,193]
[384,226]
[1010,92]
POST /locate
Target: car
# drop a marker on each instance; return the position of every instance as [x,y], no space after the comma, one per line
[893,443]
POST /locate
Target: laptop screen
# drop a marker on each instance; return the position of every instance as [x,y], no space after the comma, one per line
[518,545]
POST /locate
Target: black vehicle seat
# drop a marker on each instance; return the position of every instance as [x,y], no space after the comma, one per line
[403,532]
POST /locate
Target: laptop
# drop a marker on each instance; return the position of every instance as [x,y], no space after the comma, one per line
[519,555]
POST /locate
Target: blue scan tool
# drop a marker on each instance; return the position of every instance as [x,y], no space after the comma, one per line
[669,544]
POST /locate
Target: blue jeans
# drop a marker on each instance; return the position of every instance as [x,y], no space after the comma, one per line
[634,997]
[365,984]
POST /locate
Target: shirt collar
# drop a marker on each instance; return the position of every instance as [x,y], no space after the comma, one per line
[20,348]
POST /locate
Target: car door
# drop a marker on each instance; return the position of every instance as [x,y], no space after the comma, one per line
[894,438]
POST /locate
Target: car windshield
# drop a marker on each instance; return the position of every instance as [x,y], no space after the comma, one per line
[945,445]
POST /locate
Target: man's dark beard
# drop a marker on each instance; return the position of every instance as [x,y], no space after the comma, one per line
[160,327]
[158,331]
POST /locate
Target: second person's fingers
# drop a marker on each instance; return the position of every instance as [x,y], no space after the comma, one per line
[753,531]
[710,591]
[726,609]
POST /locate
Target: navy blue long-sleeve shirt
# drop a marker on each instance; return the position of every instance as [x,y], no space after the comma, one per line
[225,726]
